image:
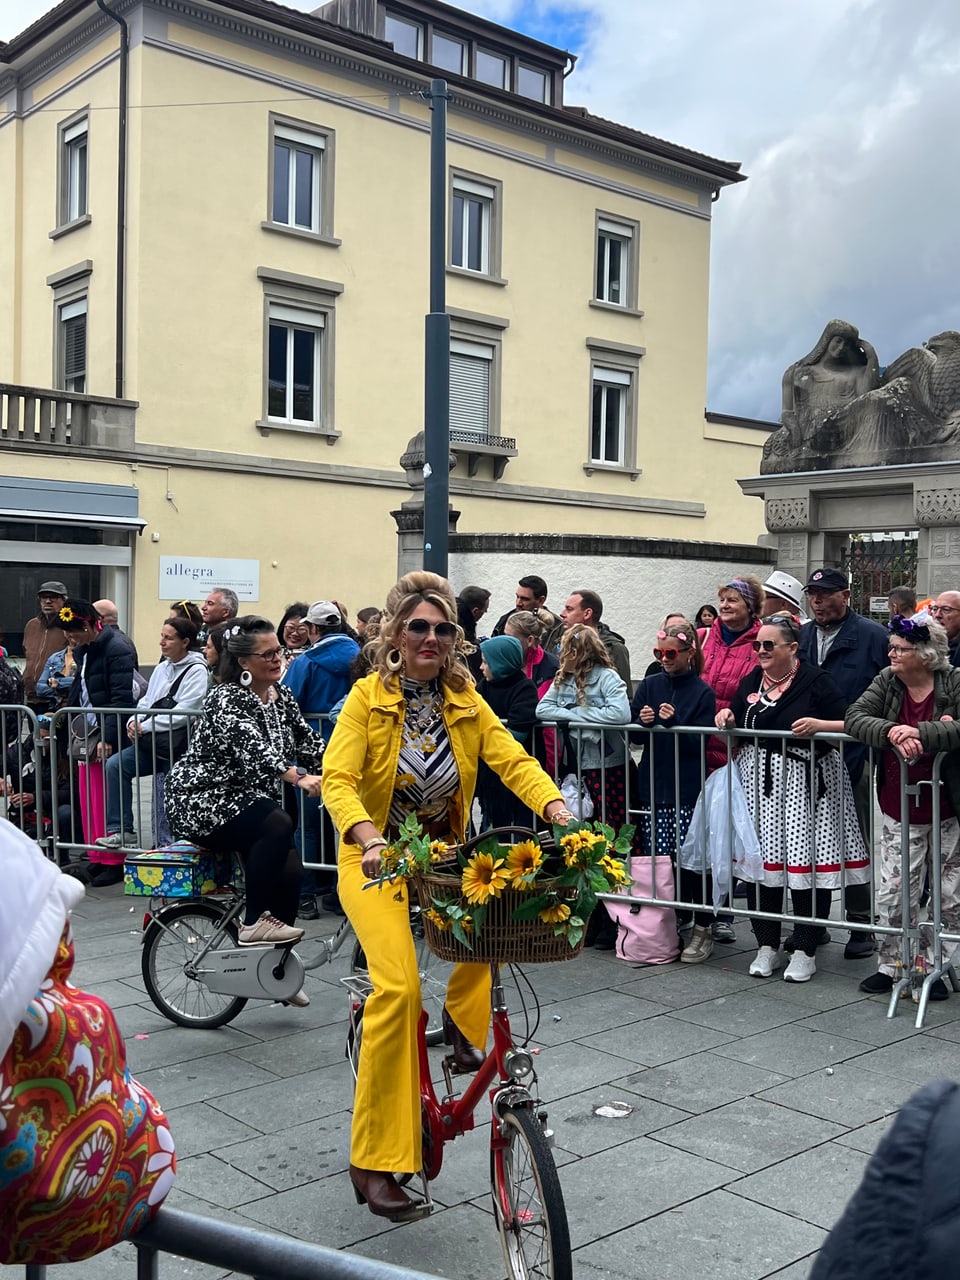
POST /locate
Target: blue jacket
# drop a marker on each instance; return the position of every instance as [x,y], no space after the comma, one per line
[694,702]
[321,676]
[857,655]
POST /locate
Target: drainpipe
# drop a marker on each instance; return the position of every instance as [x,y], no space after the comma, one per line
[121,194]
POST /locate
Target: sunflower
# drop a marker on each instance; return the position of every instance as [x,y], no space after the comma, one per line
[523,863]
[65,614]
[439,921]
[555,914]
[613,869]
[483,878]
[439,851]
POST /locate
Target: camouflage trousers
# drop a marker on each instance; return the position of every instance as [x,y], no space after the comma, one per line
[890,886]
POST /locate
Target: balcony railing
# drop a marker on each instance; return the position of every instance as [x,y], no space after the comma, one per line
[65,419]
[477,445]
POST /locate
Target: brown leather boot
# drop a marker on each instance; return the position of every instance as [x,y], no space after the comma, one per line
[381,1194]
[467,1056]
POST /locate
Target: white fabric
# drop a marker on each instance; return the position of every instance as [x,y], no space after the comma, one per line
[190,695]
[722,836]
[36,900]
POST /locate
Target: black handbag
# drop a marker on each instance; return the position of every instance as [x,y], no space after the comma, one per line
[169,745]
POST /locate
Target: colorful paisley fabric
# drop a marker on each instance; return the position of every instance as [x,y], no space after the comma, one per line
[85,1153]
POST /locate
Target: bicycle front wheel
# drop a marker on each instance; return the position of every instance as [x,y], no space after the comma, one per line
[527,1201]
[170,950]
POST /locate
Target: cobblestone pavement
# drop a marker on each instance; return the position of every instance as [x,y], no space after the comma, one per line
[755,1107]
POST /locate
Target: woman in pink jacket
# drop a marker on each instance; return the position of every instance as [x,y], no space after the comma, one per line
[727,657]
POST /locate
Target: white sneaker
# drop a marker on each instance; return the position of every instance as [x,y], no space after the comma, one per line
[801,968]
[700,946]
[300,1000]
[767,961]
[267,929]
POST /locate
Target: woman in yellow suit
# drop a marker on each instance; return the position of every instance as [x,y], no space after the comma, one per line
[408,740]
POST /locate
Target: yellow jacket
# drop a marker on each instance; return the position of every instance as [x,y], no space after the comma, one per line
[360,762]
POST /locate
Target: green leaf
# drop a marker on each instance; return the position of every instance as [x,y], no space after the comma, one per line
[574,933]
[458,933]
[479,915]
[530,909]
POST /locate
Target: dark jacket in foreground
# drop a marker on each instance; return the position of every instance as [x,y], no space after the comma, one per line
[903,1222]
[694,703]
[870,718]
[106,665]
[858,653]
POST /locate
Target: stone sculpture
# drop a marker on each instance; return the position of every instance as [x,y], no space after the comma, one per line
[839,411]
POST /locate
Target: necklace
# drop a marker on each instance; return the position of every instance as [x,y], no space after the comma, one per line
[769,685]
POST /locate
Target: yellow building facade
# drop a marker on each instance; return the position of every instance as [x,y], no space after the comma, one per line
[267,371]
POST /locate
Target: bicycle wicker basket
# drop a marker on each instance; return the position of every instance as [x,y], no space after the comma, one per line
[502,939]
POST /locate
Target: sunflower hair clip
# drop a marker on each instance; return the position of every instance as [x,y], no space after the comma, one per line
[66,614]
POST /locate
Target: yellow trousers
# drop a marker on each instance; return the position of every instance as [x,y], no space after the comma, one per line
[386,1110]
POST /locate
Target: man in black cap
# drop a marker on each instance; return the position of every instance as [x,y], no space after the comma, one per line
[42,636]
[852,650]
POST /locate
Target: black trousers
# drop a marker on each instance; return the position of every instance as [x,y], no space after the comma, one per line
[767,932]
[263,837]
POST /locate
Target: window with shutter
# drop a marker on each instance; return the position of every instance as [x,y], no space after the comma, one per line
[73,345]
[293,364]
[470,364]
[297,177]
[614,248]
[610,391]
[72,202]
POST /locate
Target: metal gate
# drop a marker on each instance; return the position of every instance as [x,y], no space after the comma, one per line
[875,568]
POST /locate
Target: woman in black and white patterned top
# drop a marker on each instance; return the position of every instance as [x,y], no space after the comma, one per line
[226,793]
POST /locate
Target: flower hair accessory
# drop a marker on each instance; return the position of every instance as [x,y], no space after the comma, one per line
[66,614]
[231,632]
[661,634]
[915,632]
[682,635]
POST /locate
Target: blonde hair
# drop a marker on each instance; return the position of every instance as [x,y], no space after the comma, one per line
[419,587]
[530,622]
[581,649]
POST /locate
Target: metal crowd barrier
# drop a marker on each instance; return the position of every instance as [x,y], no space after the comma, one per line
[644,744]
[69,810]
[247,1252]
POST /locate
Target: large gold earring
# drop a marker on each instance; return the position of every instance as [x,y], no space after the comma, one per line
[394,660]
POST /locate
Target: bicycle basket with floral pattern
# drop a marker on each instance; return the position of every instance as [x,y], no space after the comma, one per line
[517,903]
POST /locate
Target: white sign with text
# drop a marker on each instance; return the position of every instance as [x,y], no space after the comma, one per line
[191,577]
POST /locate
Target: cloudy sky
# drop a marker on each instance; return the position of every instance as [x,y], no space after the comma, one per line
[844,114]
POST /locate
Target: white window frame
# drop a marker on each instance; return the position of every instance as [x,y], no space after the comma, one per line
[297,320]
[498,57]
[452,39]
[73,171]
[406,22]
[614,369]
[538,71]
[304,304]
[302,137]
[609,382]
[627,231]
[482,197]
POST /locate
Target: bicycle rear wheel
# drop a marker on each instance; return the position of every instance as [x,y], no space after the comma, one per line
[527,1201]
[170,949]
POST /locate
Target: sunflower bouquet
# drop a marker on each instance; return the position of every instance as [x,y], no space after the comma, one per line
[511,903]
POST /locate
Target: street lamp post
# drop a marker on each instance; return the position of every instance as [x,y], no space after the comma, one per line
[436,427]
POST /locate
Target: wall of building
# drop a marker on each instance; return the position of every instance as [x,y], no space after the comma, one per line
[638,587]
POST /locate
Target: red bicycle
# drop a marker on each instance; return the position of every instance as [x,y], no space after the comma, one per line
[528,1204]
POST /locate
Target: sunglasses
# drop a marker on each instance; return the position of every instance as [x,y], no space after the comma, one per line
[766,645]
[660,654]
[421,627]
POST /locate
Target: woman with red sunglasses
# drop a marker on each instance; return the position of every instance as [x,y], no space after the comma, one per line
[671,770]
[803,810]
